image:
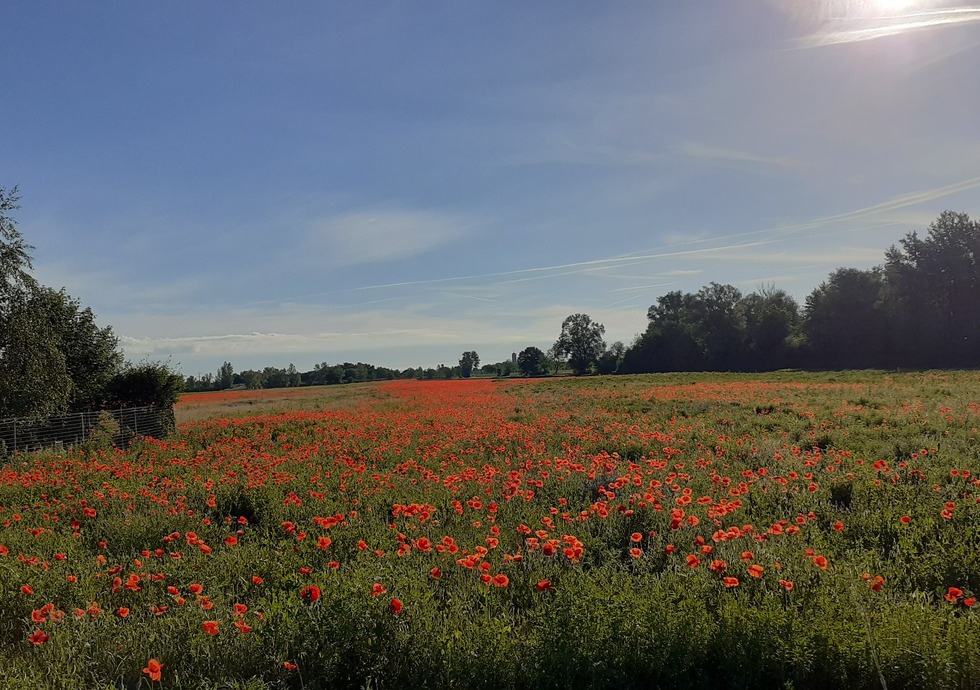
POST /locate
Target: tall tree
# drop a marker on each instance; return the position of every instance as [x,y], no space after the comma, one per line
[717,325]
[34,379]
[669,343]
[844,321]
[532,361]
[226,376]
[469,361]
[771,318]
[15,252]
[581,341]
[931,294]
[610,360]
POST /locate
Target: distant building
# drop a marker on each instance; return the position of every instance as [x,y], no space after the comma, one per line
[513,358]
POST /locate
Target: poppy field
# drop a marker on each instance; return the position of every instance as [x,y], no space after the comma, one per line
[675,531]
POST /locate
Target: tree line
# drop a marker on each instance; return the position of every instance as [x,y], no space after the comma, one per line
[919,309]
[324,374]
[54,357]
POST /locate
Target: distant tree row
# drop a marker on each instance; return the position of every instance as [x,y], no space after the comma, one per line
[920,309]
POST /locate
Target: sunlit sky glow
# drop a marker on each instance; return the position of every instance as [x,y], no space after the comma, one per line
[397,182]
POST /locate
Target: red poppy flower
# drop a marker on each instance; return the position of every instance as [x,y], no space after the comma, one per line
[256,580]
[544,586]
[953,594]
[39,637]
[289,666]
[820,562]
[435,573]
[210,627]
[310,593]
[153,669]
[636,537]
[396,606]
[377,589]
[756,570]
[501,580]
[730,581]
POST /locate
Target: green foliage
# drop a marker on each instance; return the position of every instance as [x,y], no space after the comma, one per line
[34,376]
[53,356]
[531,361]
[102,434]
[876,448]
[843,320]
[226,376]
[919,310]
[15,252]
[153,384]
[581,341]
[469,361]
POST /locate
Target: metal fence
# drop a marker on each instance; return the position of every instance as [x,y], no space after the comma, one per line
[119,427]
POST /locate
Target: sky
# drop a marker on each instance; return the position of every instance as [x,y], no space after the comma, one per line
[397,182]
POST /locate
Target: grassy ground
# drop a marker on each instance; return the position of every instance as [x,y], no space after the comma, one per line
[786,531]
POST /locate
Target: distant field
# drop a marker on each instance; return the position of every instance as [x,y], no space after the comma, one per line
[196,406]
[685,531]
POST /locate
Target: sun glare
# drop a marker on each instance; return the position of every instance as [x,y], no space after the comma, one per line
[894,6]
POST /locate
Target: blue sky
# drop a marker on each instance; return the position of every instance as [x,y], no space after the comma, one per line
[396,182]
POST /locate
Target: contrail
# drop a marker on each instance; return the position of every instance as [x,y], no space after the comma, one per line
[895,203]
[912,21]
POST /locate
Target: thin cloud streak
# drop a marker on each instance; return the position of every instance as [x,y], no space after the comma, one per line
[578,264]
[795,229]
[892,26]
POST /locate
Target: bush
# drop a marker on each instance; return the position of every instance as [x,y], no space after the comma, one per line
[149,384]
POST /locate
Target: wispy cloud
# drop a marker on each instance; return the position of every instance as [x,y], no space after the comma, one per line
[854,29]
[366,237]
[767,236]
[703,151]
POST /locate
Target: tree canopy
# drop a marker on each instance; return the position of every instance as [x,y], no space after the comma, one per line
[581,341]
[54,357]
[468,362]
[920,309]
[532,361]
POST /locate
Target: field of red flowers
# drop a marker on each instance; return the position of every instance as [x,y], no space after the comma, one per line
[784,531]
